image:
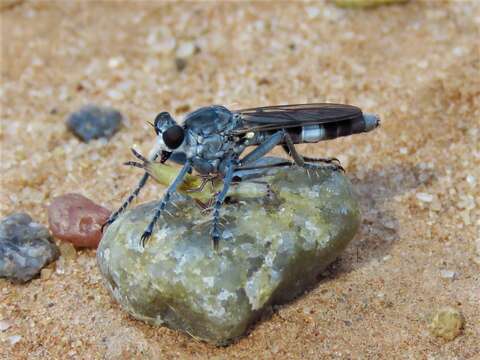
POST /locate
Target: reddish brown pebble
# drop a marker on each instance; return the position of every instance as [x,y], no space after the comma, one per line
[76,219]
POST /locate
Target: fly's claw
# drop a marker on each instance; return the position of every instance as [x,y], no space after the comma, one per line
[106,224]
[144,238]
[334,160]
[206,210]
[338,167]
[215,240]
[336,164]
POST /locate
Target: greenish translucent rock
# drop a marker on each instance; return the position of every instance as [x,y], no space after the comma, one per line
[273,248]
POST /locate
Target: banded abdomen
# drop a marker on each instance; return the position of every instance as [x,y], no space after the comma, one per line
[319,132]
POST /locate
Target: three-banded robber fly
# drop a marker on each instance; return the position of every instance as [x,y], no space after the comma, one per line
[212,139]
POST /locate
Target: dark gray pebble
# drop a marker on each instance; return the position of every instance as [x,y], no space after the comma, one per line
[25,247]
[94,122]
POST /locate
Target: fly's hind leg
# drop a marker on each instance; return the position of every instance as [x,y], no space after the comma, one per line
[304,161]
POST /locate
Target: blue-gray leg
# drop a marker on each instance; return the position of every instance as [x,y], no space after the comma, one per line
[131,197]
[274,140]
[218,203]
[334,163]
[166,198]
[300,160]
[264,148]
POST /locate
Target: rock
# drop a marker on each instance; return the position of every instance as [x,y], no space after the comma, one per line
[14,339]
[185,50]
[25,248]
[77,219]
[180,64]
[94,122]
[273,248]
[9,4]
[68,252]
[5,325]
[46,274]
[448,274]
[447,323]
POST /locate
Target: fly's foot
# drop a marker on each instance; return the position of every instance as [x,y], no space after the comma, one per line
[145,237]
[315,167]
[331,160]
[336,167]
[107,223]
[207,209]
[215,239]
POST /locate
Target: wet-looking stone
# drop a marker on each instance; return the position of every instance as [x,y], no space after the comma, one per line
[273,247]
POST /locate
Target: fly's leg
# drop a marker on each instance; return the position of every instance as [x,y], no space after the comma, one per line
[205,179]
[135,192]
[127,202]
[276,139]
[300,160]
[215,233]
[264,148]
[200,187]
[166,198]
[330,160]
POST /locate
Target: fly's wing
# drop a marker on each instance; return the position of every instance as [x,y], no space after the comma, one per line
[287,116]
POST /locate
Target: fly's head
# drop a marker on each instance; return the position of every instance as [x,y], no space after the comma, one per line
[170,135]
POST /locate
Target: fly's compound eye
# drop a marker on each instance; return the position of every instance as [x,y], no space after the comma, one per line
[173,136]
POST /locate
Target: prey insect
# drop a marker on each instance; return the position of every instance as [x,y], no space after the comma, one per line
[212,141]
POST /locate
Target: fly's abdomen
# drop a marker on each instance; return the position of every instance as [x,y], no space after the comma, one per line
[319,132]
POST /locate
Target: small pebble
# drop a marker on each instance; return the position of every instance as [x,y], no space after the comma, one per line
[46,273]
[94,122]
[77,219]
[115,62]
[313,12]
[448,274]
[14,339]
[180,63]
[68,251]
[424,197]
[471,180]
[185,50]
[447,323]
[5,325]
[25,248]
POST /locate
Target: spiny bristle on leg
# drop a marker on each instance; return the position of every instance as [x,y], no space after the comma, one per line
[134,164]
[138,155]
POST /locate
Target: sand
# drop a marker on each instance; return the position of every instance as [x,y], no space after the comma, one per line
[416,65]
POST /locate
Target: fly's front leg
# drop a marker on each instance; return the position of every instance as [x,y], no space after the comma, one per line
[133,195]
[127,202]
[166,198]
[220,198]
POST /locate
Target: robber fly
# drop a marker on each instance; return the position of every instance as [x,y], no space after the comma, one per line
[212,139]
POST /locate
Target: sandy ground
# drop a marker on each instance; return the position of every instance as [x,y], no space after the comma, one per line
[417,65]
